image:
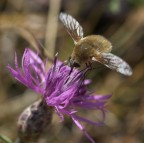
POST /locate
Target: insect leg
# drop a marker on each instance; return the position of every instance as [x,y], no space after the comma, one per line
[89,65]
[71,70]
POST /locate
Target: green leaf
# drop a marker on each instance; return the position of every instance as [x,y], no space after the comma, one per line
[5,139]
[114,6]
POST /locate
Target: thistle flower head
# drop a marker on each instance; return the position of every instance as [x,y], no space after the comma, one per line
[66,93]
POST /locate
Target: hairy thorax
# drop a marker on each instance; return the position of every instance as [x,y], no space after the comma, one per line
[90,46]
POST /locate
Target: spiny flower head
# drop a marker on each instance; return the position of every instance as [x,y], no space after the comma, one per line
[66,93]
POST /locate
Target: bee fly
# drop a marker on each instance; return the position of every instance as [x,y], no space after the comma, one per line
[91,48]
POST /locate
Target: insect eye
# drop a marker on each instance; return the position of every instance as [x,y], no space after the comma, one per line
[75,64]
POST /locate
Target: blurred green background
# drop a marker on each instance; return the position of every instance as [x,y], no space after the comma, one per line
[27,23]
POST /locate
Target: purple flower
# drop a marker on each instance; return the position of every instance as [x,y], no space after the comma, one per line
[66,93]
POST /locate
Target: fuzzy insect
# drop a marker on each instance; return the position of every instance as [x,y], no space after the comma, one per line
[91,48]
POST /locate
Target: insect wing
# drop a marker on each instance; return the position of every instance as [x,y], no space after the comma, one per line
[115,63]
[73,27]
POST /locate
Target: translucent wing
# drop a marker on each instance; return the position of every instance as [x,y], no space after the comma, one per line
[73,27]
[115,63]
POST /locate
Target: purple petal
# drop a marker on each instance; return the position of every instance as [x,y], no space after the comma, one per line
[88,121]
[29,76]
[82,129]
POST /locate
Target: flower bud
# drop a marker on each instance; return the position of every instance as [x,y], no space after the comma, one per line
[33,121]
